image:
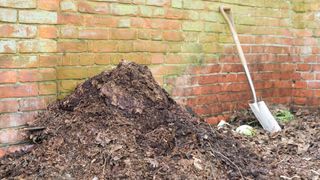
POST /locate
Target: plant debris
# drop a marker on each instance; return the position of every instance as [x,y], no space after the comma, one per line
[121,124]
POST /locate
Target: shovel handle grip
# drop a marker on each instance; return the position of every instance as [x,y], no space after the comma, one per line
[230,22]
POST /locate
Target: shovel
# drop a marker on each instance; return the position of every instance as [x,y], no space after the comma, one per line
[259,109]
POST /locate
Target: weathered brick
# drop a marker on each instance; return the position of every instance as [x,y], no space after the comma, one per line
[94,33]
[46,88]
[124,46]
[31,75]
[172,36]
[68,5]
[124,9]
[99,21]
[210,16]
[22,90]
[146,11]
[8,76]
[11,136]
[19,3]
[8,105]
[94,7]
[176,3]
[70,59]
[69,32]
[94,70]
[72,46]
[191,48]
[86,59]
[158,12]
[72,72]
[8,46]
[157,2]
[68,85]
[18,31]
[49,60]
[8,15]
[192,26]
[26,46]
[191,4]
[48,32]
[103,46]
[38,16]
[50,5]
[10,61]
[124,23]
[157,58]
[34,103]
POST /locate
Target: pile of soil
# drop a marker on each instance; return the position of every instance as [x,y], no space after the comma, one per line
[122,124]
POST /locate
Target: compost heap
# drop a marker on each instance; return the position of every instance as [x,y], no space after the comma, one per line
[122,124]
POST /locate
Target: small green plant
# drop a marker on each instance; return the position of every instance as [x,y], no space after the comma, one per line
[284,116]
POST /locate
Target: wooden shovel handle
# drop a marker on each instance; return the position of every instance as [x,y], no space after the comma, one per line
[230,22]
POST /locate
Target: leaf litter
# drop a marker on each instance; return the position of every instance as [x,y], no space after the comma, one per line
[121,124]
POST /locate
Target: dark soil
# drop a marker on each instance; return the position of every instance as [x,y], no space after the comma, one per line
[121,124]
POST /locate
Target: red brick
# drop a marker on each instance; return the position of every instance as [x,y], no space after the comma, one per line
[11,136]
[47,74]
[70,19]
[22,90]
[303,67]
[172,36]
[314,85]
[156,46]
[300,85]
[123,34]
[204,90]
[157,58]
[175,14]
[48,32]
[28,75]
[300,100]
[8,76]
[50,5]
[8,105]
[171,25]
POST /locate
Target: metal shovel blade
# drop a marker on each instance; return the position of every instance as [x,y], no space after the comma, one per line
[264,116]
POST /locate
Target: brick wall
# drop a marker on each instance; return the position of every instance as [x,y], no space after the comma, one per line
[47,47]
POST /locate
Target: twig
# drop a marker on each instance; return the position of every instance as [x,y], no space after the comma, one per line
[229,161]
[317,173]
[32,128]
[290,178]
[225,157]
[104,164]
